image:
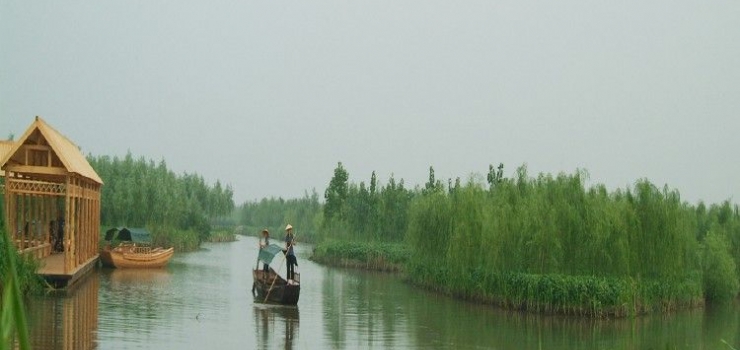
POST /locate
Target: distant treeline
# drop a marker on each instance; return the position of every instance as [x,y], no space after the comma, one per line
[358,212]
[140,192]
[547,243]
[274,213]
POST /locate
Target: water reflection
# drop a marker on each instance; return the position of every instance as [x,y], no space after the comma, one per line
[66,319]
[203,300]
[365,310]
[134,294]
[276,325]
[370,310]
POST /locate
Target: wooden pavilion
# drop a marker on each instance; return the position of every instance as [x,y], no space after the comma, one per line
[52,202]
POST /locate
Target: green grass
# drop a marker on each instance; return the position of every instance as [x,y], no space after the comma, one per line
[563,294]
[12,312]
[548,244]
[181,240]
[367,255]
[222,236]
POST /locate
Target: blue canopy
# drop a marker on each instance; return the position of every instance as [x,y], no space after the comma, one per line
[268,253]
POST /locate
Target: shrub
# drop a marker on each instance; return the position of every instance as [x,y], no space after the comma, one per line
[720,277]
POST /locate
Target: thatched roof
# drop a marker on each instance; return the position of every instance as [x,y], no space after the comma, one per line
[64,150]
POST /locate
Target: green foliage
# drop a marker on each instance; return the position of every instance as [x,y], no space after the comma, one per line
[367,255]
[720,275]
[222,236]
[24,267]
[274,213]
[565,294]
[432,184]
[371,213]
[12,312]
[495,176]
[544,243]
[139,192]
[167,236]
[336,195]
[498,241]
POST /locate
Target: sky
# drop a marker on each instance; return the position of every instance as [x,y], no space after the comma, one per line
[268,96]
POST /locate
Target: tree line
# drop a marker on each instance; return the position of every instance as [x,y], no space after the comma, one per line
[274,213]
[348,211]
[140,192]
[489,237]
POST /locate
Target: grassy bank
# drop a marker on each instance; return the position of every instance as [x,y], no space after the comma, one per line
[181,240]
[165,236]
[25,268]
[14,279]
[222,236]
[366,255]
[562,294]
[548,244]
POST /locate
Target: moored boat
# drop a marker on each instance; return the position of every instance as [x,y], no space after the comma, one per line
[134,251]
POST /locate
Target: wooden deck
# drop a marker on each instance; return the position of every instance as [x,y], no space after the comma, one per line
[52,270]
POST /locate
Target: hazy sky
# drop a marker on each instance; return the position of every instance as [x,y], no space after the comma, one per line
[269,95]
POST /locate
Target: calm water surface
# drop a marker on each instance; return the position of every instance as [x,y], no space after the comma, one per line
[202,300]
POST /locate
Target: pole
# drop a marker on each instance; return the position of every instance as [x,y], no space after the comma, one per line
[276,271]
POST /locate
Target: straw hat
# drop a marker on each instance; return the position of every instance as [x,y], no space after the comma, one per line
[289,227]
[265,231]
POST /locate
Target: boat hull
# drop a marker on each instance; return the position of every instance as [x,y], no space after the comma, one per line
[136,257]
[271,288]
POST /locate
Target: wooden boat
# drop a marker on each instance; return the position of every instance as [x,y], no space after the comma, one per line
[271,288]
[134,251]
[132,256]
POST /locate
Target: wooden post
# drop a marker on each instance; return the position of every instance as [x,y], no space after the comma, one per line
[67,219]
[73,225]
[12,216]
[22,242]
[9,208]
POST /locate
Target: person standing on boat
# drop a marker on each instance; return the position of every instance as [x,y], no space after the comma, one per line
[264,242]
[290,254]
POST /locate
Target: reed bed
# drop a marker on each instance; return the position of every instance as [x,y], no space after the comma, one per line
[181,240]
[548,244]
[222,236]
[366,255]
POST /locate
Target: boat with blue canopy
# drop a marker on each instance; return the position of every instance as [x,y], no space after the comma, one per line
[268,285]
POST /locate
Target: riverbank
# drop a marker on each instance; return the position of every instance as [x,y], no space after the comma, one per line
[181,240]
[25,268]
[375,256]
[588,296]
[222,236]
[175,307]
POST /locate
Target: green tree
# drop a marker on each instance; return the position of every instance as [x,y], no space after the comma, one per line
[720,277]
[336,195]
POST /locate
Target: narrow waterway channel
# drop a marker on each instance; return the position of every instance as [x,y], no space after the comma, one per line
[202,300]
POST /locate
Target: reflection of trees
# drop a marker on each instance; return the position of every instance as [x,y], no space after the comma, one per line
[137,293]
[457,324]
[367,304]
[370,310]
[333,293]
[269,318]
[68,320]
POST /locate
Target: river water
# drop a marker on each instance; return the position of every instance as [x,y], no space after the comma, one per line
[202,300]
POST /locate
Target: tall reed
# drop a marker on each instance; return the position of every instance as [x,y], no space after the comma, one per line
[12,312]
[549,243]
